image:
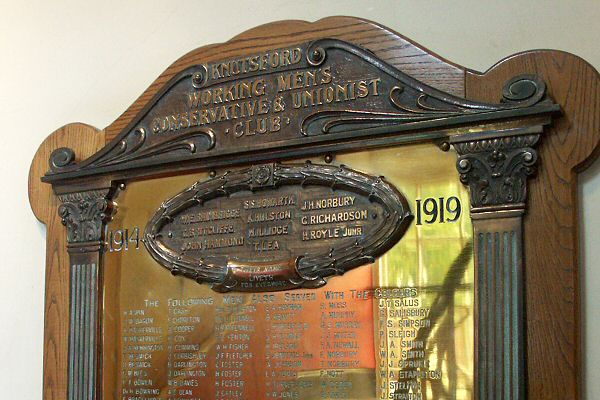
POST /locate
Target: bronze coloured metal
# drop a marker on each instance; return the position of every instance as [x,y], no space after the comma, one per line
[277,226]
[306,98]
[84,214]
[496,165]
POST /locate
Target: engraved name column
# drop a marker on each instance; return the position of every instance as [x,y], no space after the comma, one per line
[495,165]
[84,213]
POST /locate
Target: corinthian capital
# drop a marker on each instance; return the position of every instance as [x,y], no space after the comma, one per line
[83,214]
[496,167]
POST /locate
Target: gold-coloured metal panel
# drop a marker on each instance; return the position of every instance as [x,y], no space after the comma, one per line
[399,328]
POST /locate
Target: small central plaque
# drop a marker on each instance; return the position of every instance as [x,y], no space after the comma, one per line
[277,227]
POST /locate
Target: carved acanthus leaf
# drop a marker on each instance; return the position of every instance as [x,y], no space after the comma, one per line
[496,169]
[83,214]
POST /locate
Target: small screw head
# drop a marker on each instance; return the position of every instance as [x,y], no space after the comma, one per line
[197,78]
[317,56]
[328,158]
[212,173]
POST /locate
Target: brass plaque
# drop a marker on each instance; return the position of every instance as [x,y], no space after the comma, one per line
[255,321]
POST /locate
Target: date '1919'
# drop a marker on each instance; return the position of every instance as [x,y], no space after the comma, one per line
[440,210]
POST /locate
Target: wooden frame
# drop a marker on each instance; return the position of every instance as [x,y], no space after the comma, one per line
[550,226]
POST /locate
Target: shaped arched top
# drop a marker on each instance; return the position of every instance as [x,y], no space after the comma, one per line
[301,99]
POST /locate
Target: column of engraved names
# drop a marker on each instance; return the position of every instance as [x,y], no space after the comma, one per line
[404,362]
[187,361]
[234,356]
[268,222]
[245,226]
[332,217]
[340,336]
[141,343]
[211,229]
[285,355]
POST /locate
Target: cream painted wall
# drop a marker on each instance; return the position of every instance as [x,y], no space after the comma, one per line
[65,61]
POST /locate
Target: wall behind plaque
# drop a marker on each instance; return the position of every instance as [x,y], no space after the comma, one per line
[67,61]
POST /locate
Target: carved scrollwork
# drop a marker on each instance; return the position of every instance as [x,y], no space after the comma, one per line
[239,109]
[423,107]
[419,103]
[83,214]
[61,157]
[496,169]
[415,102]
[134,146]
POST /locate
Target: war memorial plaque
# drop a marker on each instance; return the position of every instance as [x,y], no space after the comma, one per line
[333,215]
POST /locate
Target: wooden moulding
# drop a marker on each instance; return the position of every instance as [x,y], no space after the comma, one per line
[551,254]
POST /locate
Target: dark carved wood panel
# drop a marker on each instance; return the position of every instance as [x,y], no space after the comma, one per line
[385,43]
[551,224]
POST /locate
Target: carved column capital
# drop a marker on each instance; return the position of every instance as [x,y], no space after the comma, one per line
[83,213]
[496,168]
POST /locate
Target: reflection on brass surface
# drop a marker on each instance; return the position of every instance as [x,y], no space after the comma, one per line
[400,327]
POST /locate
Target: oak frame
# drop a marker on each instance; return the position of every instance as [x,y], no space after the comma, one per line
[569,145]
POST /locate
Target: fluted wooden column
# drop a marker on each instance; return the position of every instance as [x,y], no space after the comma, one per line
[495,166]
[84,213]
